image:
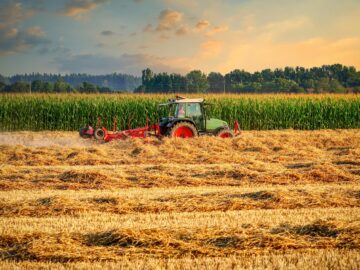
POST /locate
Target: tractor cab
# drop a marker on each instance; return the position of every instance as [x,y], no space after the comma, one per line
[189,118]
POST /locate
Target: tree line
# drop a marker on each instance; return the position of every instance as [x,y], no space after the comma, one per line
[327,78]
[55,82]
[335,78]
[59,86]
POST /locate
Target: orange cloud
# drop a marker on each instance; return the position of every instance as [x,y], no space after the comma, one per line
[168,20]
[183,30]
[201,25]
[76,8]
[217,29]
[13,13]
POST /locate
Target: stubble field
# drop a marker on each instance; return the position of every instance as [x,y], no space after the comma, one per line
[267,199]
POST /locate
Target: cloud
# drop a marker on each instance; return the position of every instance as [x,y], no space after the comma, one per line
[174,22]
[126,63]
[217,29]
[203,24]
[108,33]
[183,30]
[168,20]
[13,40]
[12,13]
[77,8]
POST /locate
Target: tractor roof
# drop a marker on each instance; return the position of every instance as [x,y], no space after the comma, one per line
[183,100]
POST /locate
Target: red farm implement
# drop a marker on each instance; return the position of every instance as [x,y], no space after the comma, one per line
[187,118]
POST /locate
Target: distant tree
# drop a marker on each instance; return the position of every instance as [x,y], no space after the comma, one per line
[60,86]
[322,85]
[4,80]
[88,88]
[2,86]
[48,87]
[197,82]
[178,83]
[140,89]
[327,78]
[267,75]
[216,82]
[113,81]
[37,86]
[20,87]
[147,76]
[336,87]
[354,79]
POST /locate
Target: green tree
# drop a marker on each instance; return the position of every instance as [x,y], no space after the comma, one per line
[147,76]
[60,86]
[140,89]
[2,86]
[48,87]
[267,75]
[37,86]
[336,87]
[216,82]
[197,82]
[20,87]
[88,88]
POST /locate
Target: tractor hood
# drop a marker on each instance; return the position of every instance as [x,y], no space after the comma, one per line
[213,123]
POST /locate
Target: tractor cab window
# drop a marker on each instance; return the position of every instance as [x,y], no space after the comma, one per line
[173,110]
[185,110]
[180,110]
[193,110]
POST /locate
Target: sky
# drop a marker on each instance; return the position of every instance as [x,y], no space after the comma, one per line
[127,36]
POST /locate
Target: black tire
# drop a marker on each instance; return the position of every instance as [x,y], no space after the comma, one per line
[83,134]
[188,127]
[225,133]
[99,134]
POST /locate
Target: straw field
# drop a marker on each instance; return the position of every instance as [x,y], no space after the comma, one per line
[265,200]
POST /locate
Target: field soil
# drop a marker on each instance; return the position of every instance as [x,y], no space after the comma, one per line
[284,199]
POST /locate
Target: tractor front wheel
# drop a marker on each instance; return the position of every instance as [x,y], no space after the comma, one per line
[183,130]
[225,133]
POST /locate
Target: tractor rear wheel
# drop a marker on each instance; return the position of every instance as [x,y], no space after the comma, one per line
[99,134]
[225,133]
[183,130]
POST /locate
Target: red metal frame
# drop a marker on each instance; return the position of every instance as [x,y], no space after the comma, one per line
[143,132]
[236,128]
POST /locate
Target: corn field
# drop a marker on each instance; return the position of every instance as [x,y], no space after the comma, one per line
[254,112]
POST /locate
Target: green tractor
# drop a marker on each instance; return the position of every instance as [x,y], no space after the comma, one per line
[189,118]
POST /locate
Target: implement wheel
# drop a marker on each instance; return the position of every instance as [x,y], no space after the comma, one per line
[183,130]
[99,134]
[225,133]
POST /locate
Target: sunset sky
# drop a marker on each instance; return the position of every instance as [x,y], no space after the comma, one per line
[104,36]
